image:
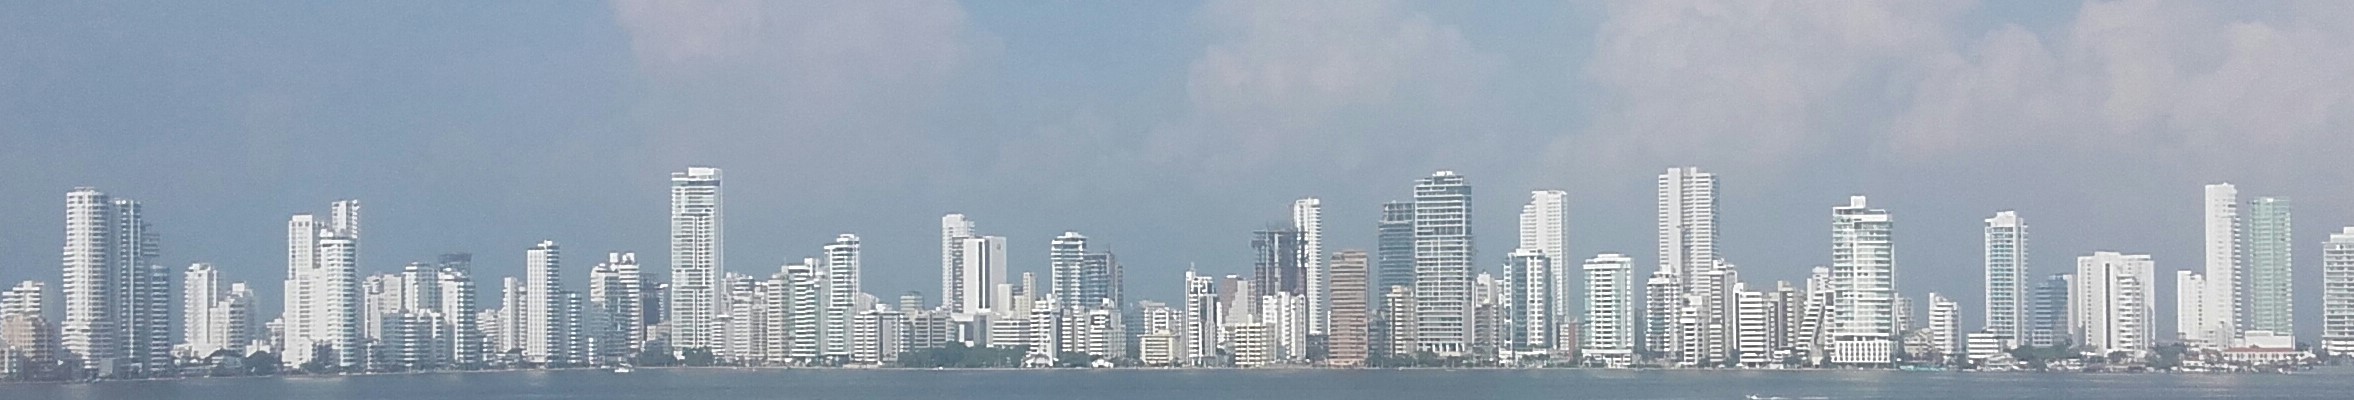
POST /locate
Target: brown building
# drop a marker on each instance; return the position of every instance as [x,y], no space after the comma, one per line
[1350,316]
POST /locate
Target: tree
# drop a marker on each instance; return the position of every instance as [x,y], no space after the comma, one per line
[697,357]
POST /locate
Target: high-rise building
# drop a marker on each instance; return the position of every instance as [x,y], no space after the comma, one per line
[2190,306]
[1702,282]
[982,260]
[1608,332]
[2112,302]
[459,311]
[1663,302]
[842,288]
[1945,336]
[26,335]
[2216,321]
[804,304]
[1351,316]
[200,291]
[1278,264]
[323,313]
[1101,281]
[2337,292]
[2006,275]
[1307,217]
[617,300]
[1442,263]
[1544,227]
[1863,270]
[1200,338]
[1065,260]
[1687,221]
[117,296]
[2271,302]
[697,256]
[1393,252]
[954,228]
[1528,300]
[543,319]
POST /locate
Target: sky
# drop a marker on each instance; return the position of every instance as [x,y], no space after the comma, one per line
[1168,130]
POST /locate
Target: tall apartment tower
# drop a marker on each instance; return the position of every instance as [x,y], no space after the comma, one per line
[954,229]
[616,294]
[543,295]
[1528,300]
[2112,302]
[1393,253]
[459,312]
[1352,314]
[2006,275]
[323,308]
[1201,338]
[2216,321]
[697,256]
[1066,262]
[2048,316]
[1945,334]
[117,295]
[844,284]
[1863,269]
[1608,332]
[2271,302]
[1544,227]
[1442,263]
[2337,292]
[981,260]
[1307,217]
[1278,264]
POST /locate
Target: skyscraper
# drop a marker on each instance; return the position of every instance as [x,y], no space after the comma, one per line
[954,228]
[1945,336]
[2271,304]
[1608,331]
[323,308]
[1351,314]
[2048,316]
[1064,261]
[200,291]
[1307,217]
[2216,321]
[543,321]
[26,335]
[697,256]
[459,311]
[1687,221]
[982,261]
[1528,300]
[842,288]
[1544,228]
[1277,265]
[1201,317]
[1863,270]
[116,294]
[2006,274]
[617,297]
[2112,302]
[1701,281]
[2337,292]
[1393,257]
[1442,263]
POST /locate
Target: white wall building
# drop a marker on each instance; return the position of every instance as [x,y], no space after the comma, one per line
[1307,217]
[1544,227]
[1863,271]
[2337,292]
[1608,332]
[2217,321]
[697,256]
[842,288]
[1442,263]
[1944,326]
[2006,274]
[2112,302]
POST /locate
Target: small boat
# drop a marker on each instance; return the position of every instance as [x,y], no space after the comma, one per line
[621,369]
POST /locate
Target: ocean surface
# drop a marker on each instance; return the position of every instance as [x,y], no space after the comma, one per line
[723,384]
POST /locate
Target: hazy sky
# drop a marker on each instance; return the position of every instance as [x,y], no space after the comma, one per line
[1168,130]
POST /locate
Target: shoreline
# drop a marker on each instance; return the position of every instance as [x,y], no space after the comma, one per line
[1139,369]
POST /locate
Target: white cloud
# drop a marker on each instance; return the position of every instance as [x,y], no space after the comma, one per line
[1331,81]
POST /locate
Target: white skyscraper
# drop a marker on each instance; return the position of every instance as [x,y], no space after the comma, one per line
[617,294]
[1687,221]
[1863,270]
[982,262]
[1544,227]
[2218,316]
[697,256]
[459,310]
[2337,292]
[1442,263]
[323,308]
[543,331]
[1692,280]
[2006,275]
[1307,217]
[1065,260]
[117,295]
[1945,336]
[1609,330]
[1528,300]
[200,291]
[954,228]
[2112,302]
[842,288]
[1200,337]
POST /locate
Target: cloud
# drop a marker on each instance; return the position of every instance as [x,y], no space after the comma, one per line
[1331,81]
[1765,83]
[791,86]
